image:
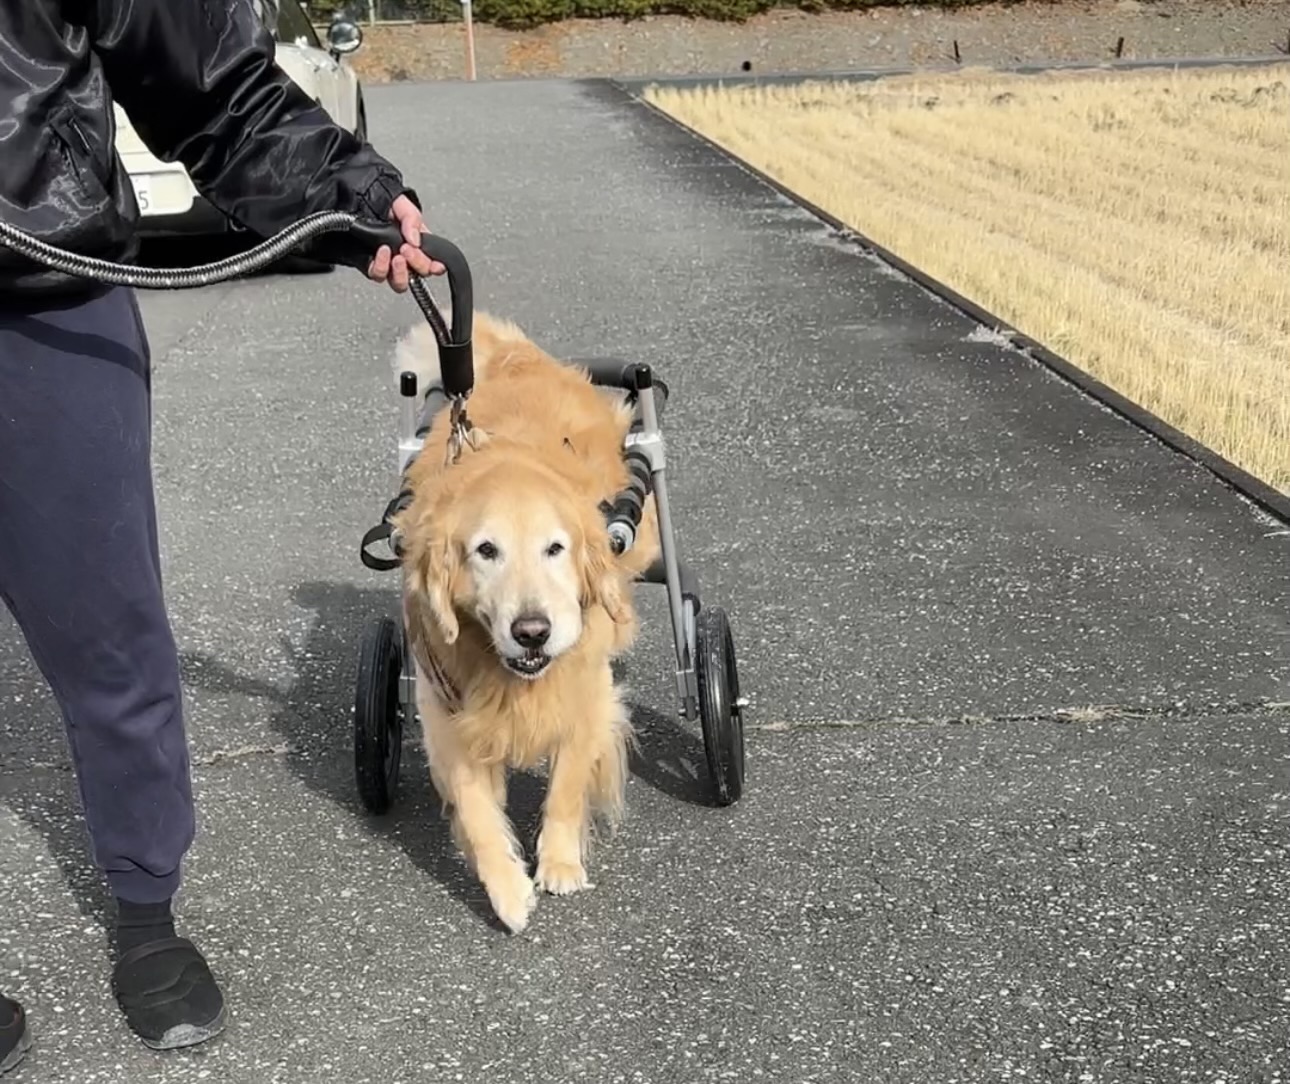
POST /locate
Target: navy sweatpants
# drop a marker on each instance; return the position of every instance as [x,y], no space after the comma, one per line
[79,570]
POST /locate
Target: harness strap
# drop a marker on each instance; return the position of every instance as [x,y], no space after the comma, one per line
[376,564]
[431,667]
[382,531]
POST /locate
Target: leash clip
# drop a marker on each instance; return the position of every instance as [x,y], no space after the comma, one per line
[462,432]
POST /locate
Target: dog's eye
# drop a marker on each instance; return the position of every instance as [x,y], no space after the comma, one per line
[555,549]
[487,551]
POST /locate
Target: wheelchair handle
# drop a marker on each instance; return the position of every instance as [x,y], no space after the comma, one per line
[456,363]
[372,235]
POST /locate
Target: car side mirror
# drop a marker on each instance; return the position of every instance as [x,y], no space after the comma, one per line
[344,37]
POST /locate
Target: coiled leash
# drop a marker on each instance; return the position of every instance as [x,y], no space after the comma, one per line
[455,358]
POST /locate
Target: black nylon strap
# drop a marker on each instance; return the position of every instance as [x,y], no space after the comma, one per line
[376,564]
[382,531]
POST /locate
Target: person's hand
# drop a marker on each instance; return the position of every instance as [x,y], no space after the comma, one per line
[396,268]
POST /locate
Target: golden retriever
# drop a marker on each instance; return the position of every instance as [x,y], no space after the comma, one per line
[515,605]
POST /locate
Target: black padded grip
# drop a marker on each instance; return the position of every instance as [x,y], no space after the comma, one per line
[624,375]
[637,464]
[370,236]
[608,372]
[629,503]
[628,507]
[457,368]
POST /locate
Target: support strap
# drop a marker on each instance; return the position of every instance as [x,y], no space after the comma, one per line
[382,531]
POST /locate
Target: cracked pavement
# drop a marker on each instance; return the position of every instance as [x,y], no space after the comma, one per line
[1019,764]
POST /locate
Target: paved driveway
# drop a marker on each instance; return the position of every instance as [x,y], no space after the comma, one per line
[937,558]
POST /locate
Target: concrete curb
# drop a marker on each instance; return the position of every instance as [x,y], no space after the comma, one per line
[634,83]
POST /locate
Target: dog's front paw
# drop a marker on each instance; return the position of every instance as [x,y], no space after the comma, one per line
[513,898]
[561,878]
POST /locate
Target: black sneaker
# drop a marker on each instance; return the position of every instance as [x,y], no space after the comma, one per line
[168,994]
[15,1036]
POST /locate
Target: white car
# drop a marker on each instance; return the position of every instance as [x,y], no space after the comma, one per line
[169,205]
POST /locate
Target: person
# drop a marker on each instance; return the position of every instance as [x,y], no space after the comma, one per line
[79,564]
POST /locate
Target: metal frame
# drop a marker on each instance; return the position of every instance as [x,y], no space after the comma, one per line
[650,442]
[646,440]
[410,444]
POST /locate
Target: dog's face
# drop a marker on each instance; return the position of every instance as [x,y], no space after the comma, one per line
[519,549]
[520,580]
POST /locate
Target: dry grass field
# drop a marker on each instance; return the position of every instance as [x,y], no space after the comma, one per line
[1136,223]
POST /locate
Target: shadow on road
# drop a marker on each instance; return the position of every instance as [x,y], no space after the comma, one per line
[37,784]
[313,718]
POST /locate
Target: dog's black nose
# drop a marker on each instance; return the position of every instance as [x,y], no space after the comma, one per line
[531,630]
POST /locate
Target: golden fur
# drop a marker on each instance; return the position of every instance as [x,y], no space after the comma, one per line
[550,452]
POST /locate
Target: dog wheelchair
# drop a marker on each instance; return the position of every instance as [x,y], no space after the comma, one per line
[707,678]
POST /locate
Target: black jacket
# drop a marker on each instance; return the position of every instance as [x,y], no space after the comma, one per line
[199,82]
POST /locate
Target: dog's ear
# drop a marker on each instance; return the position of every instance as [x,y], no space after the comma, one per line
[441,571]
[602,581]
[433,571]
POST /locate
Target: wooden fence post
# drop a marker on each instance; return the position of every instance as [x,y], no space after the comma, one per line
[467,14]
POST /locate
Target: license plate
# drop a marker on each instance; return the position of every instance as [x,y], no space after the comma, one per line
[143,192]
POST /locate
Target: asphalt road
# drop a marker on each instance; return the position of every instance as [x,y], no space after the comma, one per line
[1019,795]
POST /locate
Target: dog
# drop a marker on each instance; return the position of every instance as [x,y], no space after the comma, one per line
[515,606]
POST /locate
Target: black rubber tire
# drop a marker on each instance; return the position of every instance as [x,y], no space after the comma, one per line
[719,711]
[378,719]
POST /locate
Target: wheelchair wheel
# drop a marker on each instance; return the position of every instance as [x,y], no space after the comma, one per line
[720,708]
[378,717]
